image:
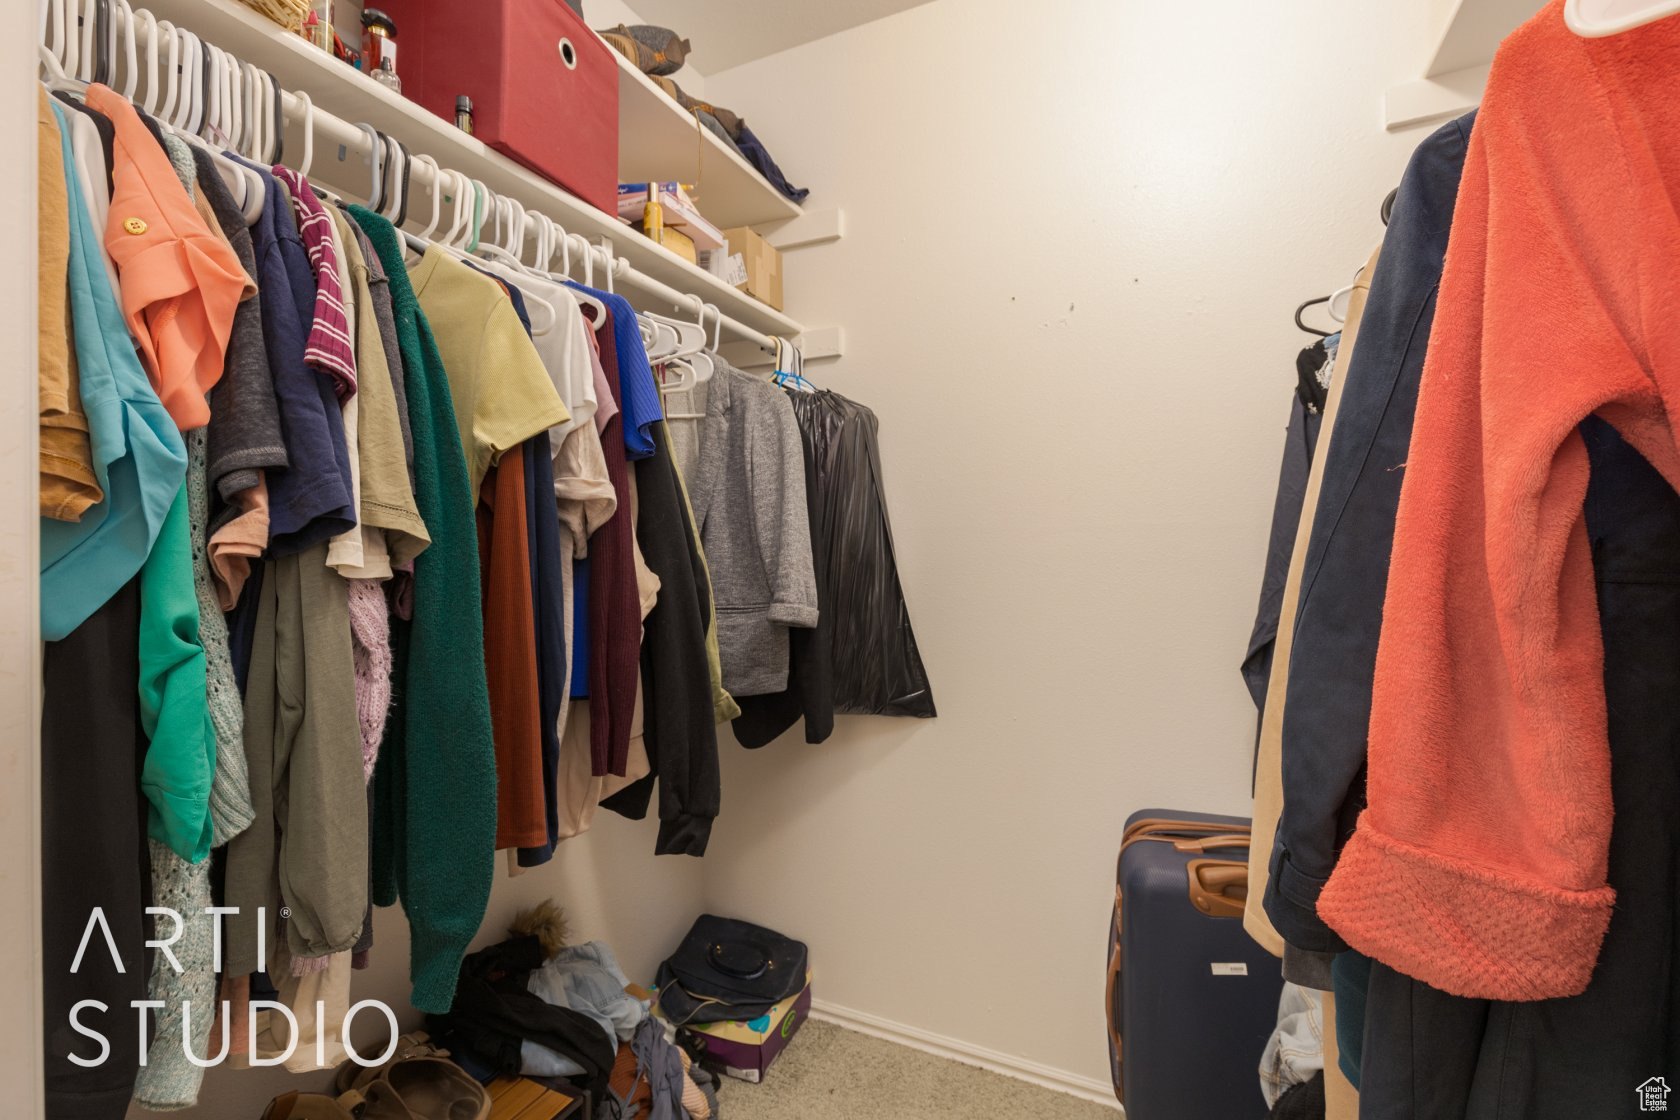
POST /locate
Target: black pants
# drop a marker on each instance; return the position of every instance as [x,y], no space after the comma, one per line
[93,854]
[1431,1056]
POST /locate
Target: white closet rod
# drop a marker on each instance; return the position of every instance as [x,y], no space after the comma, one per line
[354,140]
[351,138]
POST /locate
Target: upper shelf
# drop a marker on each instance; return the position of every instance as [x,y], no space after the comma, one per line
[657,141]
[353,96]
[1457,70]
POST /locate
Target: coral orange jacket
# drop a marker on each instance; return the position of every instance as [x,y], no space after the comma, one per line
[1480,863]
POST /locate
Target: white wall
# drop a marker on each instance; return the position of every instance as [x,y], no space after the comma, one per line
[20,638]
[1075,236]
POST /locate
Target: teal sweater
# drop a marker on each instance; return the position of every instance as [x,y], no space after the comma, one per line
[434,828]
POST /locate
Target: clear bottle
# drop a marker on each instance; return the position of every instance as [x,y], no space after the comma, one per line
[387,77]
[464,114]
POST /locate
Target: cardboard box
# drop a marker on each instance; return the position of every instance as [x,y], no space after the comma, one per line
[764,265]
[726,266]
[679,243]
[745,1050]
[520,1098]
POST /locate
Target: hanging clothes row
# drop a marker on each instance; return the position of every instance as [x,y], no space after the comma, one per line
[1464,795]
[364,558]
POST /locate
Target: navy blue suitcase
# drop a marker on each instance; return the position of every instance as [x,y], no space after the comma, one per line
[1191,996]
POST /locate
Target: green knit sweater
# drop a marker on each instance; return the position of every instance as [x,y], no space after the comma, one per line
[434,828]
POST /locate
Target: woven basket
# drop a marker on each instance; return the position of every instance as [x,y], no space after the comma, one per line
[289,14]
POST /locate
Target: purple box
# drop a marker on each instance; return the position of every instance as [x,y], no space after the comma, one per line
[744,1050]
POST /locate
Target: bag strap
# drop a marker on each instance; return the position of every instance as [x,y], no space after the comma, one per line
[699,1001]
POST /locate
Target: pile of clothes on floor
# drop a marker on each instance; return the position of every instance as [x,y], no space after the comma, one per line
[533,1007]
[567,1016]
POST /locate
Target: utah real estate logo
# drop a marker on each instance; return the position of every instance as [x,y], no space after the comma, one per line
[1653,1095]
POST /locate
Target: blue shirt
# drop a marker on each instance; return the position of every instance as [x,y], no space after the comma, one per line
[311,500]
[639,407]
[138,456]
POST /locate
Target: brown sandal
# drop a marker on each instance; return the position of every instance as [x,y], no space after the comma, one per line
[417,1082]
[315,1106]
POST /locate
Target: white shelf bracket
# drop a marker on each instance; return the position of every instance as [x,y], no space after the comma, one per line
[813,227]
[1427,100]
[818,344]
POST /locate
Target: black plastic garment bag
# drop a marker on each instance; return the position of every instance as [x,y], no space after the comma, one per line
[862,658]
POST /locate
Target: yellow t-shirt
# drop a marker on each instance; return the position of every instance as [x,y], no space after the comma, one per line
[501,390]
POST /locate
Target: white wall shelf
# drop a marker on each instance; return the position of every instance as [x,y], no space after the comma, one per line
[351,95]
[1457,71]
[659,140]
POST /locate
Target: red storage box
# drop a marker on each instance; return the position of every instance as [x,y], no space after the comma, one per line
[544,88]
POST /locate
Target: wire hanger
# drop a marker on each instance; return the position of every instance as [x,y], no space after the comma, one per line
[1303,325]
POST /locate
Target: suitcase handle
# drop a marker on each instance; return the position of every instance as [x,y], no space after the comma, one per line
[1138,829]
[1211,843]
[1218,887]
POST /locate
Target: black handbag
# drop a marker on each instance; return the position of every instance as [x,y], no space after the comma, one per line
[727,969]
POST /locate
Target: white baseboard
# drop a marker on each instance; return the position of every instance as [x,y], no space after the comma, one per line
[1047,1077]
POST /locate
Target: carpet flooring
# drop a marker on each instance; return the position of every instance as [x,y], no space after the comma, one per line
[829,1073]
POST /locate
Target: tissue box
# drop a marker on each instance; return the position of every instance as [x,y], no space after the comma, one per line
[763,263]
[680,212]
[744,1050]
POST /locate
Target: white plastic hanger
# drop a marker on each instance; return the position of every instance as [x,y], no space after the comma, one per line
[144,16]
[308,133]
[212,123]
[586,258]
[555,237]
[701,359]
[122,21]
[233,101]
[396,182]
[83,22]
[50,34]
[259,102]
[437,193]
[597,309]
[184,73]
[56,45]
[542,241]
[191,109]
[376,164]
[1595,19]
[658,339]
[459,188]
[686,338]
[219,130]
[508,221]
[170,45]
